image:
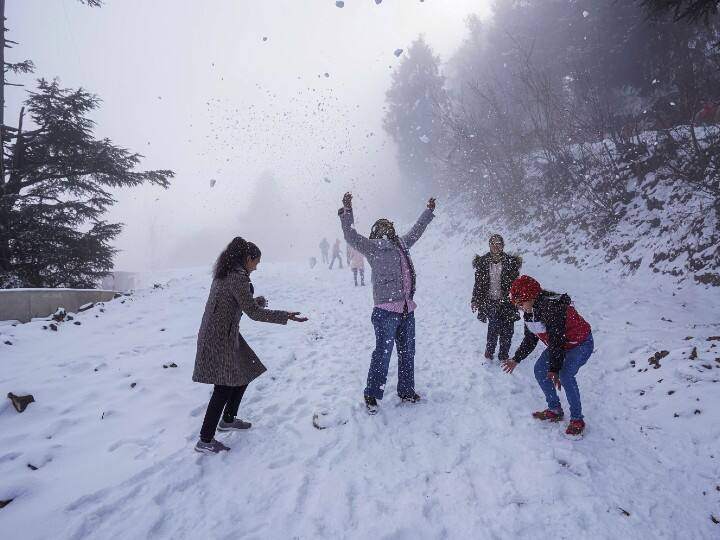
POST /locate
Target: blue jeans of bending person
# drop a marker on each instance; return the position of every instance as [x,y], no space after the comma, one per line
[391,328]
[575,358]
[499,327]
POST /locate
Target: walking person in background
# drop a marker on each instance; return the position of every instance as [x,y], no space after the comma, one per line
[324,250]
[224,359]
[336,254]
[494,273]
[551,318]
[357,265]
[393,281]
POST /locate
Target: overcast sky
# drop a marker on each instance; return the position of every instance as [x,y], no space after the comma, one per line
[225,90]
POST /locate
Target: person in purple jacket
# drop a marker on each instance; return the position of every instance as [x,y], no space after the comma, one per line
[393,281]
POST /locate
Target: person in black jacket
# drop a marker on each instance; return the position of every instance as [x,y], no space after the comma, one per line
[551,318]
[494,273]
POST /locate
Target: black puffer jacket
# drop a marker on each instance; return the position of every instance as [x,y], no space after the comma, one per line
[557,323]
[481,291]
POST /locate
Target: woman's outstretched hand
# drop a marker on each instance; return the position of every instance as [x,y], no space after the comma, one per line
[431,204]
[296,316]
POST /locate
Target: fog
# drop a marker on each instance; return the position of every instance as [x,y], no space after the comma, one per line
[228,92]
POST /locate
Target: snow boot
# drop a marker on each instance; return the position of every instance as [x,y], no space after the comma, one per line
[412,398]
[575,427]
[371,404]
[212,447]
[550,416]
[235,425]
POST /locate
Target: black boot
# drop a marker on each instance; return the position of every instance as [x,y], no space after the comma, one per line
[371,404]
[412,398]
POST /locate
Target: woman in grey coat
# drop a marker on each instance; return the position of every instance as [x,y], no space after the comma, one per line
[224,358]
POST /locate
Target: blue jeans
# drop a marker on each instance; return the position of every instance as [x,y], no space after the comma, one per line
[498,327]
[575,358]
[392,328]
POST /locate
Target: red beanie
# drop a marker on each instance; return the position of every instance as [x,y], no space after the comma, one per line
[524,288]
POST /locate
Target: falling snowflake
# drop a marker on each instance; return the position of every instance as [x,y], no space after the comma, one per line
[398,52]
[340,4]
[586,14]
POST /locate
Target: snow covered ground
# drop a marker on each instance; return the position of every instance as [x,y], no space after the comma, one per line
[106,450]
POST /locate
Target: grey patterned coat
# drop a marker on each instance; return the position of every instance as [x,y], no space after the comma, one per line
[223,356]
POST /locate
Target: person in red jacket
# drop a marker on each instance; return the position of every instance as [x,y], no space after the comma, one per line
[551,318]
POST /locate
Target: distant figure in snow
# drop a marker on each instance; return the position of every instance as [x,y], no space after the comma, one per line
[551,318]
[313,262]
[494,273]
[393,280]
[336,254]
[224,358]
[357,265]
[324,250]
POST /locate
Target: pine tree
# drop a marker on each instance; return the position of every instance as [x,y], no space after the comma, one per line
[415,101]
[54,187]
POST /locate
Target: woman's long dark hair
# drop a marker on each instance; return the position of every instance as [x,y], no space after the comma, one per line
[233,256]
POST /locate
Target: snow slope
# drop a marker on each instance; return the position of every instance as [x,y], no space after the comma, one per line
[111,432]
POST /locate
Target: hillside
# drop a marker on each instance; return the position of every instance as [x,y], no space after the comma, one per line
[106,449]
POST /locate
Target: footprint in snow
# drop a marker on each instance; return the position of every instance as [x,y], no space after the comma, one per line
[329,418]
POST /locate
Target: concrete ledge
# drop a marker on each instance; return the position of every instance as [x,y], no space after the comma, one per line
[25,304]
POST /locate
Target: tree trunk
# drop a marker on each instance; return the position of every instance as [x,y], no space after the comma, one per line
[4,201]
[8,191]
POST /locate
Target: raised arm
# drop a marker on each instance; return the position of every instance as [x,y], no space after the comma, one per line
[414,234]
[352,237]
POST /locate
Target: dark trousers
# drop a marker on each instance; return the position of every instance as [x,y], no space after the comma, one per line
[499,328]
[227,397]
[391,328]
[362,275]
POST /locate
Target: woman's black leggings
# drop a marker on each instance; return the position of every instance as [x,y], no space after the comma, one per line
[227,397]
